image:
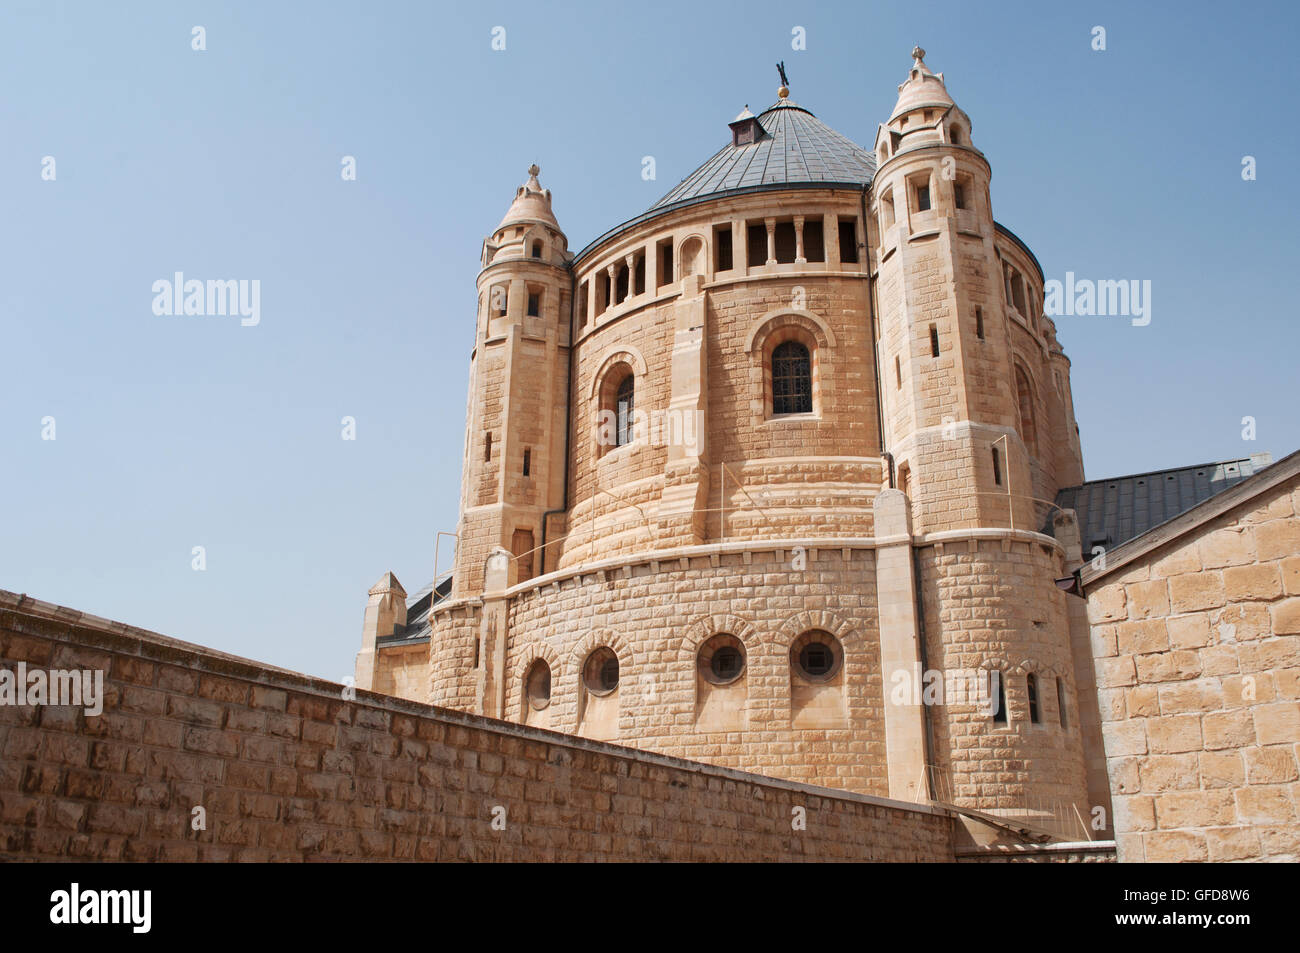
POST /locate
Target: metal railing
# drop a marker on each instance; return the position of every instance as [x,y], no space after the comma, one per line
[1057,816]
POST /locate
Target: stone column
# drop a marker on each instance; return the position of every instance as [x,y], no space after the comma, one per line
[682,510]
[798,240]
[771,240]
[491,688]
[831,239]
[900,646]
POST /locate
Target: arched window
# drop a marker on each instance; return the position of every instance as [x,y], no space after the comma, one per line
[537,685]
[600,671]
[791,379]
[954,133]
[1025,400]
[1031,689]
[623,403]
[998,696]
[816,656]
[722,659]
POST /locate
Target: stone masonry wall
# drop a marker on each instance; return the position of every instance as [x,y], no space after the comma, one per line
[1197,650]
[656,615]
[287,770]
[403,670]
[991,603]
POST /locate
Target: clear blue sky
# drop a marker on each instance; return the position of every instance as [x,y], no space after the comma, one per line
[177,432]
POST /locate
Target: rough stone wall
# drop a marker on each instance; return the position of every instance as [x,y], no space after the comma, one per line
[288,771]
[452,676]
[403,671]
[1197,650]
[655,617]
[991,603]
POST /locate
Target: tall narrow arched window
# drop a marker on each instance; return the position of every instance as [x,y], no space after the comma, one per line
[791,379]
[1025,401]
[1031,689]
[537,685]
[998,696]
[623,403]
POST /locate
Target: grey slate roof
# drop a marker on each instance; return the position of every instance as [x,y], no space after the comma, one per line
[418,627]
[798,148]
[1111,512]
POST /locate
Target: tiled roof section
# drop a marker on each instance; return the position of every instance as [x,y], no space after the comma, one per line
[798,148]
[1111,512]
[418,626]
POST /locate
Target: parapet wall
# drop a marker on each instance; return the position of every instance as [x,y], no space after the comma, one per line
[287,770]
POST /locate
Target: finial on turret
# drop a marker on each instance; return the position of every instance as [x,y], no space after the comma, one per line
[784,91]
[533,169]
[918,56]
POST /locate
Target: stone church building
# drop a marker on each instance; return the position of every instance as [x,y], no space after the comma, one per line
[783,475]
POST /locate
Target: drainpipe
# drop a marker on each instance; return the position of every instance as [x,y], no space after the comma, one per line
[925,667]
[568,399]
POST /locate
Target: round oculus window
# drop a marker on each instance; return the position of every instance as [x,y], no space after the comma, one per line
[722,659]
[816,656]
[600,673]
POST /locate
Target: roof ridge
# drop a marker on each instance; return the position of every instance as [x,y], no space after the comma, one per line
[1131,476]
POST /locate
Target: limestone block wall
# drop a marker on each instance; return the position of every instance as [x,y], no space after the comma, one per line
[814,473]
[1197,650]
[656,615]
[453,676]
[990,603]
[403,671]
[286,770]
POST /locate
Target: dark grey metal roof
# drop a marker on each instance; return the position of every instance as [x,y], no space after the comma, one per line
[418,628]
[1111,512]
[797,148]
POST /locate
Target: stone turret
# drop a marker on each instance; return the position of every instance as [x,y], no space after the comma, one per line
[949,350]
[514,449]
[385,615]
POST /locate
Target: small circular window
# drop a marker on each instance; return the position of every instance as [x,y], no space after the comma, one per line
[600,673]
[538,685]
[722,659]
[816,655]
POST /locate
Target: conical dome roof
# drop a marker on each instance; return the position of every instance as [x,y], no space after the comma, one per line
[921,88]
[796,148]
[532,204]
